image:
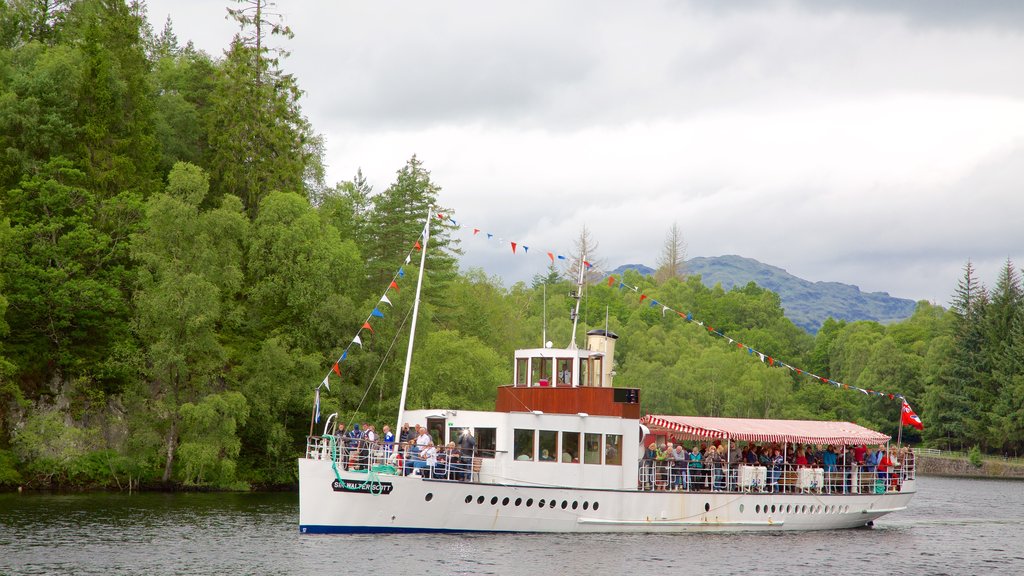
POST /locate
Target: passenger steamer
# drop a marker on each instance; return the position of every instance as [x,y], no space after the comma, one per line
[562,452]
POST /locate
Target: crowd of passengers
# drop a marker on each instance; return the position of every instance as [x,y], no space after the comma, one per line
[412,453]
[711,467]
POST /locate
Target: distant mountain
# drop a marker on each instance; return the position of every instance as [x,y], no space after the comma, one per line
[643,270]
[807,304]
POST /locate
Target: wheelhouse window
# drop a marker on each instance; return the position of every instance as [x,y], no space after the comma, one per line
[613,449]
[584,373]
[570,447]
[592,449]
[540,371]
[522,372]
[548,441]
[563,371]
[486,441]
[523,443]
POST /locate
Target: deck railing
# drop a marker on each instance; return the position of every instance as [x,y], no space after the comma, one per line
[360,455]
[787,478]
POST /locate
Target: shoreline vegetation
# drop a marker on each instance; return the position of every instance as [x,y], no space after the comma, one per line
[929,462]
[172,293]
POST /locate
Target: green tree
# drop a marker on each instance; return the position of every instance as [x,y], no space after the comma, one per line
[301,276]
[191,265]
[260,141]
[951,401]
[397,222]
[66,275]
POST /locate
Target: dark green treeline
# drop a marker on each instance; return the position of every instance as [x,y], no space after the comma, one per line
[176,278]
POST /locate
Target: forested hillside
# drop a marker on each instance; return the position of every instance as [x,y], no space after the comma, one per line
[807,304]
[176,279]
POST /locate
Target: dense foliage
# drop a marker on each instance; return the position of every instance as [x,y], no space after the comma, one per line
[176,280]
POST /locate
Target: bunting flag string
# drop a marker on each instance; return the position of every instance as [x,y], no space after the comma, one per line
[376,312]
[771,361]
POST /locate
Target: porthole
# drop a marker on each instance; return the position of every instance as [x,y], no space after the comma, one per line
[564,504]
[757,509]
[504,501]
[494,500]
[788,508]
[741,507]
[429,496]
[479,499]
[552,503]
[469,499]
[519,501]
[595,505]
[541,503]
[586,505]
[803,509]
[819,509]
[529,502]
[707,506]
[773,508]
[575,504]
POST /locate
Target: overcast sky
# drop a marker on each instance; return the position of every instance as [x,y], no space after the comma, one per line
[849,141]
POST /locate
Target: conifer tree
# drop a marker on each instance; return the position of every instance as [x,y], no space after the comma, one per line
[260,140]
[954,416]
[397,222]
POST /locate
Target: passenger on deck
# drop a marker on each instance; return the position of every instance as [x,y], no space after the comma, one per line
[406,434]
[339,443]
[680,463]
[427,458]
[801,459]
[777,464]
[388,439]
[355,436]
[456,463]
[647,471]
[423,437]
[713,461]
[828,461]
[545,456]
[884,463]
[661,472]
[697,477]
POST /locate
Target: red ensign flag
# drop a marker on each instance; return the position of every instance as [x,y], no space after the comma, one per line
[910,418]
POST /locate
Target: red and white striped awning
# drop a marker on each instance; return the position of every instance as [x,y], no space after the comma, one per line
[756,430]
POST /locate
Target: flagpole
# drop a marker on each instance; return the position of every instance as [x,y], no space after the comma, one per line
[312,415]
[899,435]
[415,315]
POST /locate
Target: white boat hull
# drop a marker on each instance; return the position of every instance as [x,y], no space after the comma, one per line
[384,503]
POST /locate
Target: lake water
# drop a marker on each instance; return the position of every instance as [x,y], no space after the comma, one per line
[954,526]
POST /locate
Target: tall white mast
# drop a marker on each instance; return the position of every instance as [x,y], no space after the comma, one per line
[412,328]
[578,295]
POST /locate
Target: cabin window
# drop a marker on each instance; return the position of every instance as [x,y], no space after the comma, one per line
[563,371]
[570,446]
[521,372]
[548,441]
[613,449]
[522,442]
[541,368]
[584,373]
[592,448]
[486,441]
[597,374]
